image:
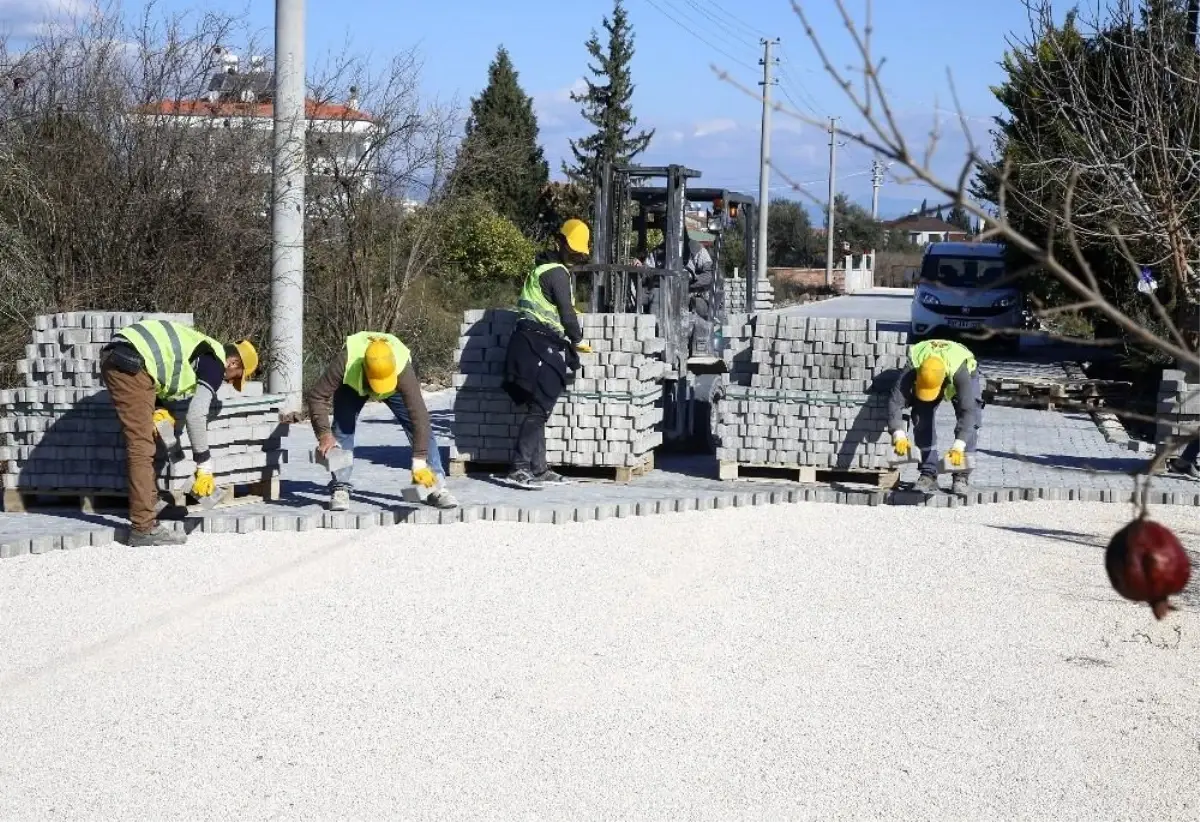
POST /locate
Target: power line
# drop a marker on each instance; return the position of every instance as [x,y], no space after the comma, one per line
[700,37]
[717,20]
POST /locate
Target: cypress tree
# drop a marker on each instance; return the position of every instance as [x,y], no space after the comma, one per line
[500,157]
[607,103]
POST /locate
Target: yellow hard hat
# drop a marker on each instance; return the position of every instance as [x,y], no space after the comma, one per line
[931,376]
[249,357]
[379,363]
[577,235]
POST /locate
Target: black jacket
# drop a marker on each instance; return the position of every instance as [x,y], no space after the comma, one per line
[537,365]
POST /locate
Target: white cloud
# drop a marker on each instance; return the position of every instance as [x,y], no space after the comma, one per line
[718,126]
[29,18]
[555,109]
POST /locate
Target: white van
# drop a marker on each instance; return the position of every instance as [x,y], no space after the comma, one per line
[966,287]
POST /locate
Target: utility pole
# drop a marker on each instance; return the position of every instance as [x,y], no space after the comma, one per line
[287,213]
[876,184]
[764,171]
[832,190]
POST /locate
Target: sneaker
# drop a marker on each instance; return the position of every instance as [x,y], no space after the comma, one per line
[339,499]
[549,477]
[158,535]
[926,484]
[441,498]
[523,479]
[960,485]
[1189,469]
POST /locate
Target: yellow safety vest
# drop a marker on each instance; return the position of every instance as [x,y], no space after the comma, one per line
[533,305]
[167,348]
[951,353]
[356,349]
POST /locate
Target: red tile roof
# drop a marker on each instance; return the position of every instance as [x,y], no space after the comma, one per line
[203,108]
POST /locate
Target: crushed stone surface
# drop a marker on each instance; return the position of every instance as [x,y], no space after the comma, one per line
[796,661]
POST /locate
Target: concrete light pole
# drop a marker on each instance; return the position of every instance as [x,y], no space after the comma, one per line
[287,216]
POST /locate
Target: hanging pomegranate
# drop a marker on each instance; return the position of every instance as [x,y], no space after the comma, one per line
[1146,563]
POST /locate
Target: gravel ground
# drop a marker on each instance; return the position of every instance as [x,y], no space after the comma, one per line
[801,662]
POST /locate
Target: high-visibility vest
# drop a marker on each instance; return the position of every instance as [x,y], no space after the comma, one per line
[951,353]
[356,350]
[167,349]
[533,305]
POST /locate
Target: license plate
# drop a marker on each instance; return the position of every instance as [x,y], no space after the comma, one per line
[964,323]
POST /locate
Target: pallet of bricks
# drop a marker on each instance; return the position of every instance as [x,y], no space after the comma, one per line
[607,421]
[807,398]
[735,295]
[1178,413]
[60,437]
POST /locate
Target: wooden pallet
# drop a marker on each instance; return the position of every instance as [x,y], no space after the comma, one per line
[807,474]
[461,468]
[93,501]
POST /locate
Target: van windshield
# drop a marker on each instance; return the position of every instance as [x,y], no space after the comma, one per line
[963,272]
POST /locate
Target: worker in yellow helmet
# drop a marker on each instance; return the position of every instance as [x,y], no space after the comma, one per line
[373,366]
[543,347]
[145,366]
[938,369]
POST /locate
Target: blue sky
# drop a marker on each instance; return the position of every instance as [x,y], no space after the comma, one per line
[700,120]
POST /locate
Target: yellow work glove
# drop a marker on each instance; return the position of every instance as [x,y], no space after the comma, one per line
[958,454]
[583,348]
[162,415]
[422,475]
[900,443]
[204,485]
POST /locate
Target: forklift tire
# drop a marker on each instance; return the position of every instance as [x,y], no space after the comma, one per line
[709,390]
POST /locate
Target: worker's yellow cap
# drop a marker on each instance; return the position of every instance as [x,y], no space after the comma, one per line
[249,357]
[379,364]
[577,235]
[931,376]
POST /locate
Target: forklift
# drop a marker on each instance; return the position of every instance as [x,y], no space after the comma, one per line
[616,282]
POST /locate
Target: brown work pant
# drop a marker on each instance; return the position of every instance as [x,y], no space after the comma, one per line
[133,397]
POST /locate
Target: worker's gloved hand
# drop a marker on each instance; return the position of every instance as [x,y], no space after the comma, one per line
[162,415]
[958,454]
[422,475]
[900,443]
[326,444]
[583,348]
[204,485]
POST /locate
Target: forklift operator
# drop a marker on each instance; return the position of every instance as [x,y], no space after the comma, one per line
[699,265]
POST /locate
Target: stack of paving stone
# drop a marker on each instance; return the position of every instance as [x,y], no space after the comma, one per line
[60,432]
[735,295]
[608,416]
[1178,405]
[809,392]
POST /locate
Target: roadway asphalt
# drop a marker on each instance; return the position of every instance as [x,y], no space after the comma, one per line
[891,304]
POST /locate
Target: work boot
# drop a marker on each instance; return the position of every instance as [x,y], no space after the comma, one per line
[441,498]
[926,484]
[339,499]
[522,478]
[961,485]
[158,535]
[549,477]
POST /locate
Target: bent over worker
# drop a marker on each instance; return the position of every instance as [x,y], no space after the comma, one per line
[373,366]
[159,361]
[541,350]
[938,369]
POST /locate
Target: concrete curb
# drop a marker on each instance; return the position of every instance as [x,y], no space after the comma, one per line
[350,520]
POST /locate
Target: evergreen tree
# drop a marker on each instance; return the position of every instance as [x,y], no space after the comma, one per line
[938,215]
[924,208]
[606,104]
[500,157]
[959,218]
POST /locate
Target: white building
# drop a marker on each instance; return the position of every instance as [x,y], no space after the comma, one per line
[340,135]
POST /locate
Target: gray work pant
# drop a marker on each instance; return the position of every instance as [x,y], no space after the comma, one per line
[925,429]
